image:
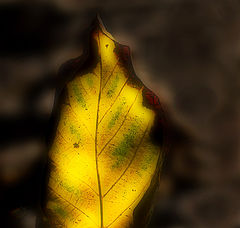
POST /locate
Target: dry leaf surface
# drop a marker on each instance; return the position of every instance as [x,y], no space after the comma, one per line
[103,158]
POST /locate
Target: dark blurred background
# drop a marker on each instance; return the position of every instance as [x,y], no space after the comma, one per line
[186,51]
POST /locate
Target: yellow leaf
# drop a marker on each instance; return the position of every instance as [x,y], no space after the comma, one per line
[103,158]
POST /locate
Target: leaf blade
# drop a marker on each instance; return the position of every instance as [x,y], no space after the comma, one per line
[103,157]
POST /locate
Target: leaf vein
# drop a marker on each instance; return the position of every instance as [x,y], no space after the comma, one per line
[135,153]
[110,74]
[77,178]
[69,203]
[80,82]
[75,115]
[96,142]
[126,208]
[114,101]
[120,125]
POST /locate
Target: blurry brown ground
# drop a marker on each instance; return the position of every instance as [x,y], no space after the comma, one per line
[188,52]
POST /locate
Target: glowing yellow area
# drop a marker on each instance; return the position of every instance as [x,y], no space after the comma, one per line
[102,156]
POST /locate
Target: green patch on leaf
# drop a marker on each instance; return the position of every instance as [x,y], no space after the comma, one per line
[75,132]
[146,162]
[113,86]
[79,96]
[60,211]
[116,115]
[122,150]
[89,81]
[70,189]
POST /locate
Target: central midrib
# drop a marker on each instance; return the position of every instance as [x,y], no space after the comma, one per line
[96,141]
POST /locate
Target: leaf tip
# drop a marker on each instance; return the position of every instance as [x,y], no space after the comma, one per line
[99,25]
